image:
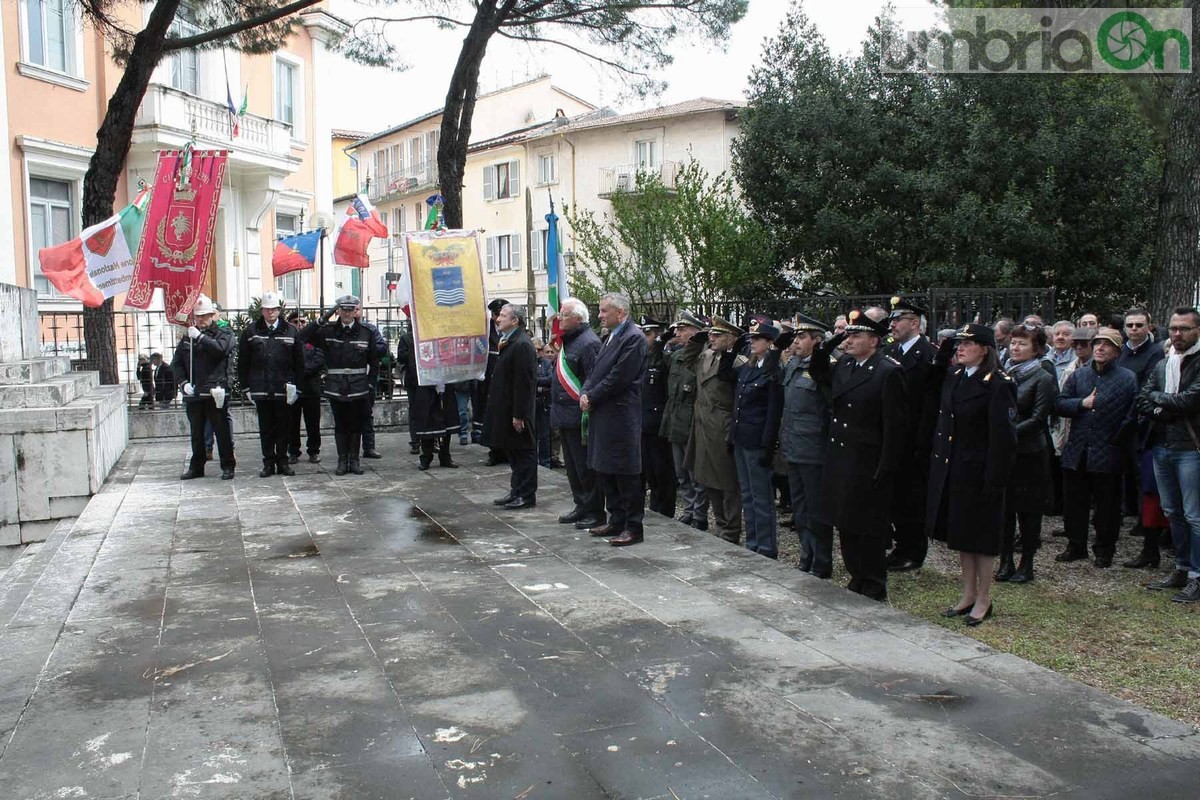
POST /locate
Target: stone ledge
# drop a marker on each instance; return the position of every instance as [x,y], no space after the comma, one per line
[172,423]
[34,370]
[53,392]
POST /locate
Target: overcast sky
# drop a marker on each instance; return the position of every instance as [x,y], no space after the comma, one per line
[374,99]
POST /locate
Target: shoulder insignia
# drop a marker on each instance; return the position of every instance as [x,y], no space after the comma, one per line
[957,371]
[1006,376]
[894,361]
[988,377]
[741,361]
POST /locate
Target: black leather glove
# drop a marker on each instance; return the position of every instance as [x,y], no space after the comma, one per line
[784,340]
[699,337]
[945,352]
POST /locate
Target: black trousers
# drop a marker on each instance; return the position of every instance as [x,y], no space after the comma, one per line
[1031,532]
[308,408]
[348,418]
[368,426]
[200,413]
[523,464]
[816,536]
[908,513]
[658,474]
[274,427]
[584,490]
[625,500]
[1082,489]
[866,561]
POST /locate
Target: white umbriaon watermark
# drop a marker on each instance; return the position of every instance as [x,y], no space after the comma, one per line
[1045,40]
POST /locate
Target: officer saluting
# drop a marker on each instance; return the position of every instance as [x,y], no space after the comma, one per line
[270,364]
[352,363]
[658,467]
[201,367]
[866,449]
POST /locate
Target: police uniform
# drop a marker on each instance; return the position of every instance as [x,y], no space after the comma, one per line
[308,407]
[866,451]
[352,364]
[658,469]
[270,365]
[915,357]
[201,364]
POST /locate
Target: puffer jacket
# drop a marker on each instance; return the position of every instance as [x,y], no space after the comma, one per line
[351,359]
[1171,413]
[1097,435]
[269,358]
[210,366]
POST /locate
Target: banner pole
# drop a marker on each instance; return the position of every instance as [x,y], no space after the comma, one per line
[322,276]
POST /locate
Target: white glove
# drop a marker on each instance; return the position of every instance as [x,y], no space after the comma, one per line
[293,394]
[218,396]
[189,390]
[193,332]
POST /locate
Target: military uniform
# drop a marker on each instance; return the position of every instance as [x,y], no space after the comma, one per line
[270,360]
[676,427]
[658,469]
[866,450]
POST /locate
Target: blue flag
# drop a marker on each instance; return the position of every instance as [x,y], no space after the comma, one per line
[295,252]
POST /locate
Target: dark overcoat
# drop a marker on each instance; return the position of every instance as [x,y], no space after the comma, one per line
[512,394]
[757,404]
[869,414]
[614,390]
[974,446]
[431,414]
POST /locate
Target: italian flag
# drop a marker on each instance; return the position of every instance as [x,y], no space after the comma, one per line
[98,263]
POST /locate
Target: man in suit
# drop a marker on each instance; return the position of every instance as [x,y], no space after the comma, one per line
[915,355]
[866,448]
[480,400]
[162,380]
[512,407]
[613,400]
[580,346]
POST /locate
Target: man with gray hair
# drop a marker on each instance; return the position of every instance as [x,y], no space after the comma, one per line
[512,407]
[580,346]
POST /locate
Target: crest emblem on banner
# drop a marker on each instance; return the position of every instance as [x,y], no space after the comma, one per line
[448,287]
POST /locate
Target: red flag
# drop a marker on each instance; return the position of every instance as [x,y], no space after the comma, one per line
[65,267]
[361,224]
[178,234]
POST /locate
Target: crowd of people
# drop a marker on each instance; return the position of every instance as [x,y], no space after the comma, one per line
[867,426]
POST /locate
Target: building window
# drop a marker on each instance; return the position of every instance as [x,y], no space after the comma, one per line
[503,253]
[288,285]
[185,64]
[539,252]
[547,170]
[646,154]
[50,26]
[285,95]
[51,220]
[502,180]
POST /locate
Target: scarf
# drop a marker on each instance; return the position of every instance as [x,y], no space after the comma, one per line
[1175,365]
[1023,369]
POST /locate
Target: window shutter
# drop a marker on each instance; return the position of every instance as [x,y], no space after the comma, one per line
[491,253]
[514,178]
[515,262]
[489,188]
[535,252]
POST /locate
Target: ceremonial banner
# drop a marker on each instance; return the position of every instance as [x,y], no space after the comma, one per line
[178,238]
[99,262]
[444,283]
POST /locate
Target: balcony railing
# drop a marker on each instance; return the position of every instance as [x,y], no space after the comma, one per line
[417,178]
[167,108]
[624,178]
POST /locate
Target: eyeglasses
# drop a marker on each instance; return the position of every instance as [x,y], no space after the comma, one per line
[1182,328]
[1135,324]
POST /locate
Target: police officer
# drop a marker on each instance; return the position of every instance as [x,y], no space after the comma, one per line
[352,365]
[689,336]
[915,354]
[270,363]
[308,407]
[658,471]
[201,365]
[866,448]
[381,348]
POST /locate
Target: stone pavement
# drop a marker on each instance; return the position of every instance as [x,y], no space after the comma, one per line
[395,636]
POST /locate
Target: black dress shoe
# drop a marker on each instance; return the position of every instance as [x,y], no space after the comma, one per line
[588,522]
[226,474]
[267,471]
[627,538]
[520,502]
[972,621]
[604,530]
[503,501]
[192,474]
[314,458]
[574,516]
[686,519]
[294,459]
[285,469]
[903,565]
[1067,556]
[1103,562]
[447,463]
[1145,559]
[371,454]
[1177,579]
[952,612]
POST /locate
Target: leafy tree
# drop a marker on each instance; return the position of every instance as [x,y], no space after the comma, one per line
[628,36]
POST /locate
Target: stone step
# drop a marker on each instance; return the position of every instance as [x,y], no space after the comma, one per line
[20,576]
[35,370]
[53,392]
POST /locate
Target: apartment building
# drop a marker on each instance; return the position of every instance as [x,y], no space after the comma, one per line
[58,78]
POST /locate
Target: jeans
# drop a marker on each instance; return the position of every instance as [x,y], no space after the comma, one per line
[462,393]
[1178,476]
[758,500]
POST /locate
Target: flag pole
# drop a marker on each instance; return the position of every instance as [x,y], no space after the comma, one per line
[322,277]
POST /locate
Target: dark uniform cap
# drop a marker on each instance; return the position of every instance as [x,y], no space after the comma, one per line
[902,305]
[803,322]
[690,319]
[858,322]
[347,301]
[497,304]
[645,323]
[973,332]
[723,326]
[763,330]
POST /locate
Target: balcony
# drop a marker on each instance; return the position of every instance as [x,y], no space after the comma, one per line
[624,179]
[418,178]
[168,117]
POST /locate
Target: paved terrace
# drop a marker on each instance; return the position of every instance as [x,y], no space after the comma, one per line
[393,636]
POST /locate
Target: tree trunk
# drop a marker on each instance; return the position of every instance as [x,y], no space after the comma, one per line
[104,171]
[1177,257]
[460,107]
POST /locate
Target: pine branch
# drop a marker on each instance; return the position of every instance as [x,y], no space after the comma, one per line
[172,44]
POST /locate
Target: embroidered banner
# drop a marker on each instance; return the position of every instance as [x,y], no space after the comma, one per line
[178,234]
[450,322]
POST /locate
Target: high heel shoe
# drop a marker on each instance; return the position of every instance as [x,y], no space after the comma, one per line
[973,621]
[952,612]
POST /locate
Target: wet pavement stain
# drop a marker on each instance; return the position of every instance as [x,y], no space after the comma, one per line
[304,551]
[427,530]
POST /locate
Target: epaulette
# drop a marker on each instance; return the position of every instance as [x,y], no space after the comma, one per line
[741,360]
[1006,376]
[894,361]
[988,377]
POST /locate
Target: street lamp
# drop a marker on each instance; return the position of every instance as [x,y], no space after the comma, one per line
[569,259]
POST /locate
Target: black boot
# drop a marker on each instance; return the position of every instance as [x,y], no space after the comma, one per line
[1150,556]
[284,466]
[355,444]
[426,454]
[342,440]
[1007,568]
[343,465]
[1024,573]
[268,469]
[444,459]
